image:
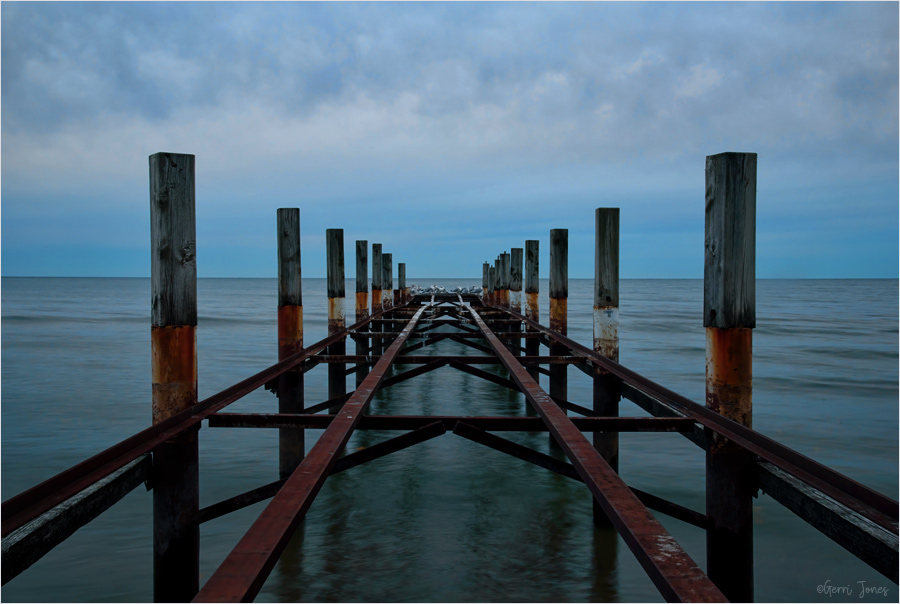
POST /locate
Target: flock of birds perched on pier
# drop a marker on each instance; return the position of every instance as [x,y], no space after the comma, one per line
[437,289]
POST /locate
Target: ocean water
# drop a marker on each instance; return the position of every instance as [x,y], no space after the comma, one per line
[447,520]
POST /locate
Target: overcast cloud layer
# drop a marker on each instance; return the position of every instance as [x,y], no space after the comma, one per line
[449,132]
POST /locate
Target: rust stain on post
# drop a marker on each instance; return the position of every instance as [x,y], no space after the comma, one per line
[290,331]
[729,373]
[362,306]
[531,306]
[558,314]
[174,368]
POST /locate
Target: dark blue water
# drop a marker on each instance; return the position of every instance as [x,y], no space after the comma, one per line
[447,520]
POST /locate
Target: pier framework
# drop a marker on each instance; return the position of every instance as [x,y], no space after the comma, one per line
[394,328]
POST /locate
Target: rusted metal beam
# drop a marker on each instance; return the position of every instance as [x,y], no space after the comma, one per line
[28,544]
[411,422]
[568,470]
[346,462]
[242,574]
[468,360]
[673,572]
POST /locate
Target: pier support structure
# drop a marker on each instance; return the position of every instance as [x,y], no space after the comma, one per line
[362,304]
[377,296]
[334,253]
[606,333]
[729,315]
[532,311]
[173,287]
[559,297]
[290,336]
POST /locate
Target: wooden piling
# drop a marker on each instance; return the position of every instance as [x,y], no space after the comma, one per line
[173,310]
[490,287]
[401,283]
[515,293]
[532,289]
[559,295]
[387,280]
[504,279]
[485,269]
[606,333]
[362,303]
[515,279]
[377,296]
[334,253]
[729,315]
[290,336]
[387,284]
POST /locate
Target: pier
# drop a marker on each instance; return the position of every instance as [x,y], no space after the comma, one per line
[391,331]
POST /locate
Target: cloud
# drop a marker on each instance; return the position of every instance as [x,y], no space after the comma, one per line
[701,80]
[408,102]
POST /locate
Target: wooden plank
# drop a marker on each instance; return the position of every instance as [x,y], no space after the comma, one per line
[28,544]
[871,543]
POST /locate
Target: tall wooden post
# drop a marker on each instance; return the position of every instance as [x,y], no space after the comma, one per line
[401,283]
[362,304]
[515,279]
[377,296]
[532,311]
[485,269]
[290,336]
[559,297]
[334,253]
[173,336]
[606,333]
[387,280]
[387,283]
[515,293]
[504,279]
[729,315]
[492,285]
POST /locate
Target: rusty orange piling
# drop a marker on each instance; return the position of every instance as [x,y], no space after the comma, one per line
[173,285]
[291,443]
[337,372]
[729,315]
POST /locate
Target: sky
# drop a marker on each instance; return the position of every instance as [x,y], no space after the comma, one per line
[449,132]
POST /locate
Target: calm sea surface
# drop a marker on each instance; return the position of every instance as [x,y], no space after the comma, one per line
[447,520]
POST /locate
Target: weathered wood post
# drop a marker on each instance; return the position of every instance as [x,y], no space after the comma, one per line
[377,296]
[387,281]
[337,372]
[606,333]
[532,311]
[559,297]
[362,304]
[515,293]
[493,286]
[173,336]
[485,269]
[504,279]
[401,283]
[515,279]
[387,284]
[290,336]
[729,315]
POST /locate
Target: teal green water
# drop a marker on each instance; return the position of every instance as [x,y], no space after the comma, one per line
[447,520]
